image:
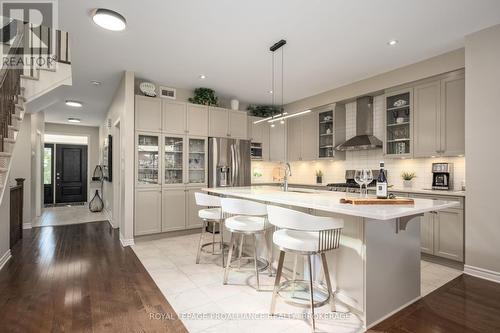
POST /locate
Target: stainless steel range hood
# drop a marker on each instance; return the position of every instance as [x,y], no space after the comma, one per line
[364,138]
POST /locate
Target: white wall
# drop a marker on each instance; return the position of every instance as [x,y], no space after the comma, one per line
[21,165]
[119,195]
[482,119]
[36,186]
[93,145]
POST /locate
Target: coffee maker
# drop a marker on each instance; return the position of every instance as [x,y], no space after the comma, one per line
[442,176]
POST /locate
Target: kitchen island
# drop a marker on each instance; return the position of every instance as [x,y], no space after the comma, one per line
[376,270]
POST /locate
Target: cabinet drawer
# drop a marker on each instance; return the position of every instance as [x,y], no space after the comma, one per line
[442,197]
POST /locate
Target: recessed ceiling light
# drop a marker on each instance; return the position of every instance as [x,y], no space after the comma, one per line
[270,91]
[109,19]
[392,42]
[96,83]
[202,77]
[74,104]
[74,120]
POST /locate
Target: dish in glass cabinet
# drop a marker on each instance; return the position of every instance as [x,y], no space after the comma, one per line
[399,102]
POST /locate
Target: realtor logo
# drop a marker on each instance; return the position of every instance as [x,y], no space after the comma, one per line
[37,19]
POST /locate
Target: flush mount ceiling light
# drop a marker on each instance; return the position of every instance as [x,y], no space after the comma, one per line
[74,120]
[392,42]
[74,104]
[109,19]
[96,83]
[202,77]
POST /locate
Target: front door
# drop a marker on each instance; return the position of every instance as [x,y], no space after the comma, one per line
[48,174]
[71,173]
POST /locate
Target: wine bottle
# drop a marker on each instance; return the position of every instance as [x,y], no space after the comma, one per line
[382,183]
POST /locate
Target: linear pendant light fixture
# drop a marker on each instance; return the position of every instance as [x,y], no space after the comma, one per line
[282,115]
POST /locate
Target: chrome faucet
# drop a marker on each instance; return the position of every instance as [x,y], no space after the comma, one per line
[288,173]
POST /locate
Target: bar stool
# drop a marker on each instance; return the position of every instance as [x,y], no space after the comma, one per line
[245,218]
[303,234]
[211,214]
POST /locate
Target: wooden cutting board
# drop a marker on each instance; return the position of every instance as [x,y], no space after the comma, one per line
[375,201]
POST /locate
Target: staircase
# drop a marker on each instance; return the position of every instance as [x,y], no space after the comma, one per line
[21,84]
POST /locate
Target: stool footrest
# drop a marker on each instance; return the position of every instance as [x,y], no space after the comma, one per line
[296,292]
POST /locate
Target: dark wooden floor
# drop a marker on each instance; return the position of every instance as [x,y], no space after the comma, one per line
[466,304]
[78,278]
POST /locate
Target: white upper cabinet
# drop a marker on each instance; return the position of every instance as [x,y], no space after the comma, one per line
[453,115]
[294,139]
[218,122]
[238,121]
[277,142]
[174,117]
[225,123]
[148,114]
[259,135]
[427,105]
[309,137]
[197,119]
[439,118]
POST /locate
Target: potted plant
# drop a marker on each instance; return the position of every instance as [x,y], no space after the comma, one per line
[407,178]
[263,111]
[204,96]
[319,176]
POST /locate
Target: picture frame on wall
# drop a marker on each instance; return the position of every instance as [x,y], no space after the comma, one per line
[107,159]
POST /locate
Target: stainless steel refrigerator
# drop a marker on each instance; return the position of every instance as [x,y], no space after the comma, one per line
[228,162]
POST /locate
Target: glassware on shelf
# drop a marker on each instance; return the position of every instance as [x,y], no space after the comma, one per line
[173,160]
[196,161]
[147,151]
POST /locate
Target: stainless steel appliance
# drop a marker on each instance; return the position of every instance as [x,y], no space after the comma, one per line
[256,151]
[228,162]
[350,184]
[364,138]
[442,176]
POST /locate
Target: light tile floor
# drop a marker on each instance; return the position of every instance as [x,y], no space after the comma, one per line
[64,215]
[192,288]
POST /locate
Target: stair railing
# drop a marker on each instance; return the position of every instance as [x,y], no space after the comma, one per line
[10,79]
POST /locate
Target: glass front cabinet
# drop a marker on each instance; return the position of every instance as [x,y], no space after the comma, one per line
[398,120]
[148,159]
[171,160]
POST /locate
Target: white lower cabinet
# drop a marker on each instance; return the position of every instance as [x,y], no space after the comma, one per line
[173,215]
[427,233]
[148,211]
[168,209]
[192,219]
[442,232]
[449,234]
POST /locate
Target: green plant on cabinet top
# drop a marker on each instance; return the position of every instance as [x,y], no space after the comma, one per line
[204,96]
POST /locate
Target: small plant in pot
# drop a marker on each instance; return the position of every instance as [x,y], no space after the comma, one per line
[204,96]
[408,178]
[319,176]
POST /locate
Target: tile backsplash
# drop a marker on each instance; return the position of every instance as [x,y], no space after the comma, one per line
[334,171]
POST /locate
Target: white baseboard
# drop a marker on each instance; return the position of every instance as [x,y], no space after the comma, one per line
[482,273]
[27,225]
[127,242]
[3,260]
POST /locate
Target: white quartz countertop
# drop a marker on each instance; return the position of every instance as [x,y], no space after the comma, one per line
[330,201]
[451,193]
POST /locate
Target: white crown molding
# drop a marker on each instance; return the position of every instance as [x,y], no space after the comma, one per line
[3,260]
[482,273]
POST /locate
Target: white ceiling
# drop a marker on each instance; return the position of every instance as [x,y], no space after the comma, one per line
[330,43]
